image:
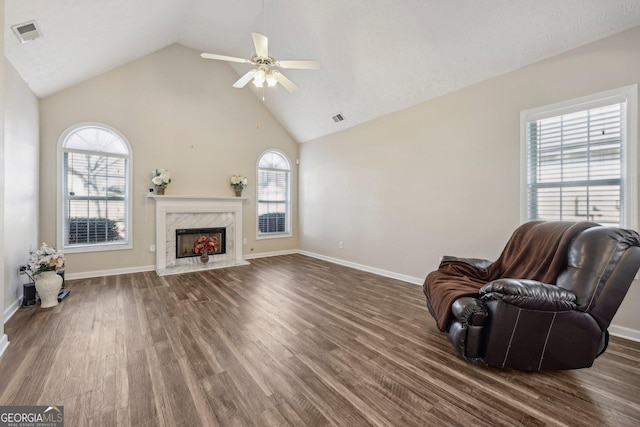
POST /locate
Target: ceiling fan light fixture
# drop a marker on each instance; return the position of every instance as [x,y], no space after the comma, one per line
[271,81]
[259,78]
[264,63]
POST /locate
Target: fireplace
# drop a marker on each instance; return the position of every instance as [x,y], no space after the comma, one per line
[183,212]
[185,238]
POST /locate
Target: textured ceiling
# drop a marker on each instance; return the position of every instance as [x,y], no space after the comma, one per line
[376,56]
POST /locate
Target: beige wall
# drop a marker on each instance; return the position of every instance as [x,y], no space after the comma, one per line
[442,177]
[21,148]
[178,112]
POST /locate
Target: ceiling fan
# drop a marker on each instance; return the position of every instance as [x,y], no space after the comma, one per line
[266,66]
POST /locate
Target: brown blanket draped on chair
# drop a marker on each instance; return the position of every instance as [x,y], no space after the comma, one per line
[535,251]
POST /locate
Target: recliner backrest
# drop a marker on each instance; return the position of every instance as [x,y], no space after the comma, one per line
[601,264]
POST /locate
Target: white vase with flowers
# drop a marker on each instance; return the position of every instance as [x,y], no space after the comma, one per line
[160,179]
[238,182]
[43,268]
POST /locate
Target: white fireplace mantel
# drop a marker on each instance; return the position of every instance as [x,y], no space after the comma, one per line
[170,210]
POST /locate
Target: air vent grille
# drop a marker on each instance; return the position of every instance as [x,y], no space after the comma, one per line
[337,118]
[27,31]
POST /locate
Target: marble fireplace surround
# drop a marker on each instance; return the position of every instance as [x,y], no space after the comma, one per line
[174,212]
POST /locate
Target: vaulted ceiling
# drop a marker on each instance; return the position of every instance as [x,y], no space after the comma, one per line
[376,56]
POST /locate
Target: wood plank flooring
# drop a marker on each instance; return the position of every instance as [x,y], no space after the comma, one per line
[287,340]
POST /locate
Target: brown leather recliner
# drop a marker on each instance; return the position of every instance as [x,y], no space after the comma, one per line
[529,325]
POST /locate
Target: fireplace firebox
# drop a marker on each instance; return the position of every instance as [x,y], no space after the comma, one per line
[186,237]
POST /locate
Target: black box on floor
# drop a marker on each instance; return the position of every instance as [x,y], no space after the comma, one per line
[28,294]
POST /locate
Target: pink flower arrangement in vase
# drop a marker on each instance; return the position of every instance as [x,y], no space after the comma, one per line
[205,245]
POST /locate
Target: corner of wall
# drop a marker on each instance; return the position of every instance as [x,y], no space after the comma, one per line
[4,341]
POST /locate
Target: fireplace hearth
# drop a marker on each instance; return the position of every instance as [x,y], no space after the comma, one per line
[186,237]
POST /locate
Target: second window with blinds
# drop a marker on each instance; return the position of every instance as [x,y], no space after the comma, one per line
[274,195]
[579,160]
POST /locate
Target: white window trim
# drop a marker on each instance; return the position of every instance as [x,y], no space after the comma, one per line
[289,224]
[273,235]
[630,172]
[60,197]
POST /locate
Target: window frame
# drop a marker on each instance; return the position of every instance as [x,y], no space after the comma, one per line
[288,224]
[60,220]
[629,215]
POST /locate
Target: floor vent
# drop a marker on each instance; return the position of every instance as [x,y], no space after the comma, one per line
[337,118]
[27,31]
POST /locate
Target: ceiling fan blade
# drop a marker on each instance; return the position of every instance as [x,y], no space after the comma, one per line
[261,44]
[288,84]
[223,57]
[242,81]
[301,65]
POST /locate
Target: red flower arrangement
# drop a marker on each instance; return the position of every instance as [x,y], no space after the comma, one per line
[205,244]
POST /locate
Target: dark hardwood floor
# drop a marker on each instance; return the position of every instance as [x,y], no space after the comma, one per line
[287,340]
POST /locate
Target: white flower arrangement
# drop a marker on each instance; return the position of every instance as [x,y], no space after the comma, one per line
[47,258]
[160,177]
[238,182]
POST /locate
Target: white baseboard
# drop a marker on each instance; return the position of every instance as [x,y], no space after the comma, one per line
[4,343]
[374,270]
[270,254]
[112,272]
[129,270]
[624,332]
[10,311]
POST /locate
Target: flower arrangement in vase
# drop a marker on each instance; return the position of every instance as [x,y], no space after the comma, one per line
[239,183]
[160,178]
[42,268]
[205,245]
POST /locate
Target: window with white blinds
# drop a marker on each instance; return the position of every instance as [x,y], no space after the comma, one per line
[95,189]
[274,203]
[577,161]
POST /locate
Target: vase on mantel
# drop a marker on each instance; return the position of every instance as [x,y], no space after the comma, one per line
[238,192]
[160,190]
[48,285]
[204,257]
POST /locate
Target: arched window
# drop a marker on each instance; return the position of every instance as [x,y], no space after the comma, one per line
[94,182]
[274,195]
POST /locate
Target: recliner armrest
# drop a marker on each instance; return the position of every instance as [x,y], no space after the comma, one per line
[475,262]
[529,294]
[469,311]
[468,316]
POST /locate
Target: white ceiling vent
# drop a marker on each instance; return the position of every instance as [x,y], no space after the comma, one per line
[337,118]
[27,31]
